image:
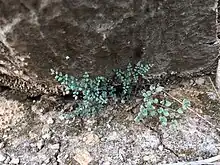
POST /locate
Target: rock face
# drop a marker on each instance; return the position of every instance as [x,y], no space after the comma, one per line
[75,36]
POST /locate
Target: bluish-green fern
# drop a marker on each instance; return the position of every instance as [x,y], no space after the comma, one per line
[92,94]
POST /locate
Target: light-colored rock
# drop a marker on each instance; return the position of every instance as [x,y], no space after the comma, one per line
[160,147]
[113,136]
[91,139]
[32,135]
[212,95]
[15,161]
[2,145]
[200,81]
[50,120]
[45,129]
[149,158]
[7,160]
[47,135]
[106,163]
[47,161]
[83,157]
[2,157]
[54,146]
[40,144]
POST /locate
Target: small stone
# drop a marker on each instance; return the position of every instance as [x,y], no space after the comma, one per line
[91,139]
[2,145]
[47,136]
[42,110]
[40,144]
[61,117]
[83,157]
[45,129]
[146,158]
[150,158]
[55,146]
[191,83]
[212,95]
[138,100]
[2,157]
[106,163]
[34,108]
[14,161]
[113,136]
[200,81]
[160,148]
[66,156]
[7,160]
[50,120]
[16,71]
[47,161]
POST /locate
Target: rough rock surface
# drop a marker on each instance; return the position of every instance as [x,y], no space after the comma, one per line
[113,138]
[96,36]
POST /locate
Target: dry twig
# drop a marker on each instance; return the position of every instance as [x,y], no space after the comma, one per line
[215,89]
[209,161]
[191,110]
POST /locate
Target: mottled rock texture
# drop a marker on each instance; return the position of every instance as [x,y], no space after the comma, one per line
[75,36]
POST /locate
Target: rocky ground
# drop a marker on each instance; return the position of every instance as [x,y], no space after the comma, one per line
[33,131]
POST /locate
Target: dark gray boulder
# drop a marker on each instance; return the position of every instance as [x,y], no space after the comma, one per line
[96,36]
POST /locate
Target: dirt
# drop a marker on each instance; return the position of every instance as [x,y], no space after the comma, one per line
[34,131]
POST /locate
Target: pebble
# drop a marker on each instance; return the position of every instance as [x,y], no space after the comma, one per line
[40,144]
[7,160]
[55,146]
[91,139]
[61,117]
[138,100]
[50,120]
[42,110]
[146,158]
[47,161]
[106,163]
[2,157]
[15,161]
[113,136]
[212,95]
[150,158]
[83,157]
[200,81]
[191,82]
[45,129]
[2,145]
[160,147]
[47,136]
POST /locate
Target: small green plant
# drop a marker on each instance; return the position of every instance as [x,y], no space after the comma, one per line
[129,77]
[156,104]
[93,94]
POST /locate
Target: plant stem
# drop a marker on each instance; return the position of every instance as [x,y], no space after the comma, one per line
[216,91]
[190,109]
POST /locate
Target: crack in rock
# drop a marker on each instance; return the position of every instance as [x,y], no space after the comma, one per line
[161,141]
